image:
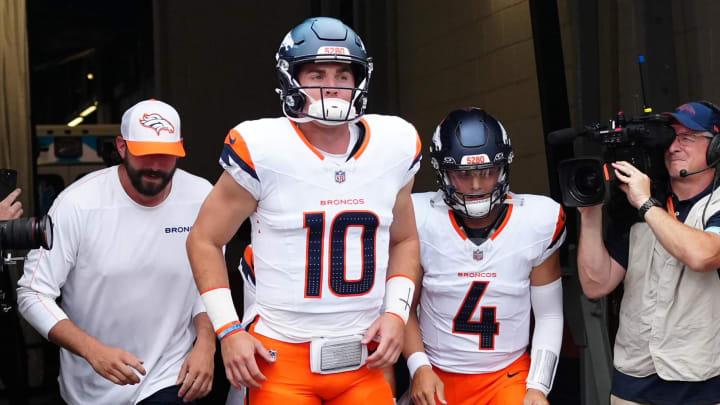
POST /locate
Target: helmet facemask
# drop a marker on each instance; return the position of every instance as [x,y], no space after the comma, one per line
[474,205]
[328,111]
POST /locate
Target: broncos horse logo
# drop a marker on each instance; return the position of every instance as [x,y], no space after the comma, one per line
[687,107]
[157,122]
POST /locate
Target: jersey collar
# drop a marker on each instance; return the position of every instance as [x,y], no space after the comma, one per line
[494,235]
[357,150]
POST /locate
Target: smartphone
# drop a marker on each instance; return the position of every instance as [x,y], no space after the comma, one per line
[8,182]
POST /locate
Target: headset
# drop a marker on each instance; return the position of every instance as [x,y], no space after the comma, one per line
[713,151]
[712,157]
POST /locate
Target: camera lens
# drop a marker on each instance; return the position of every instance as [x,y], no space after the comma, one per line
[26,233]
[588,181]
[586,184]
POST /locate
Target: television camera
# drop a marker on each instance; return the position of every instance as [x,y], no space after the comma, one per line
[20,233]
[640,140]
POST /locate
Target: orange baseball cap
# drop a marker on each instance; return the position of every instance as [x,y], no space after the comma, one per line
[152,127]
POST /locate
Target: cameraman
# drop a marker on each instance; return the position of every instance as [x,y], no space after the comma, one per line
[9,208]
[667,349]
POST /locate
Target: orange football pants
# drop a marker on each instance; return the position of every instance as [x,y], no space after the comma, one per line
[290,381]
[503,387]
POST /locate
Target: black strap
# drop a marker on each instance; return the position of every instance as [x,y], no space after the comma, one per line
[360,140]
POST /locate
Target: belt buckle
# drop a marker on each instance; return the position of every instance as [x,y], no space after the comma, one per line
[337,355]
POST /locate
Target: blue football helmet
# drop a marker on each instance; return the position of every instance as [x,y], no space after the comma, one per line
[322,39]
[471,139]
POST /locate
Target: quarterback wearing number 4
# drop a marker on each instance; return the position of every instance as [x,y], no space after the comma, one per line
[327,192]
[488,257]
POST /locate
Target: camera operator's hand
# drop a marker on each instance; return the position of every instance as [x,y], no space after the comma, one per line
[9,208]
[636,184]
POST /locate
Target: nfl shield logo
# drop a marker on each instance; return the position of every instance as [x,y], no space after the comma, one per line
[339,176]
[477,254]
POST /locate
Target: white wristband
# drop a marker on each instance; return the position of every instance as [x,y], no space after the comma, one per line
[417,360]
[399,291]
[220,308]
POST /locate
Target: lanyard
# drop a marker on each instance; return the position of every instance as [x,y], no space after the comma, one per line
[670,206]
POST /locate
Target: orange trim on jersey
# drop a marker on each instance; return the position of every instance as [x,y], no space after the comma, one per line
[670,206]
[365,141]
[504,222]
[560,225]
[418,146]
[249,258]
[399,317]
[214,288]
[304,139]
[456,226]
[401,275]
[238,145]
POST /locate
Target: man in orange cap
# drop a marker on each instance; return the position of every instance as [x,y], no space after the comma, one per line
[130,309]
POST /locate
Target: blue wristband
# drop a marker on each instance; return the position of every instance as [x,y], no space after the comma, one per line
[229,330]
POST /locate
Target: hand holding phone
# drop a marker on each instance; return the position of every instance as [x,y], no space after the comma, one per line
[8,182]
[9,208]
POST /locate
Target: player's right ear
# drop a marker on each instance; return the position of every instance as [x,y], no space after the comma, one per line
[121,146]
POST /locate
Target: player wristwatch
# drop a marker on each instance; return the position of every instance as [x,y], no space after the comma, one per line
[651,202]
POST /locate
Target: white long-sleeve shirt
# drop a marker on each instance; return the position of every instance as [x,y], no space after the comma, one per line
[124,277]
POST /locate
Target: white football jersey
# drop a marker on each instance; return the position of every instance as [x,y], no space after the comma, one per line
[320,234]
[475,300]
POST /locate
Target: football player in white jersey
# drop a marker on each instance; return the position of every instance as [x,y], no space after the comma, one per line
[327,193]
[488,257]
